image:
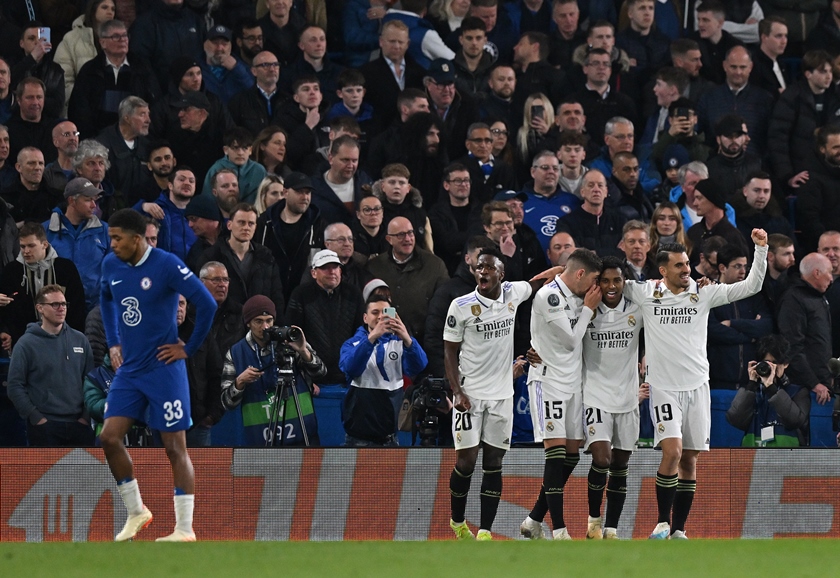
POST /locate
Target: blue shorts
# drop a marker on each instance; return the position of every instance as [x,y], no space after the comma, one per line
[163,391]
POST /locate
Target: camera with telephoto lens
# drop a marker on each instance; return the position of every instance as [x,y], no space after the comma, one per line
[285,333]
[763,369]
[429,399]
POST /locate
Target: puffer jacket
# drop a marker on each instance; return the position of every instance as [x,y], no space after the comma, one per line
[76,48]
[86,248]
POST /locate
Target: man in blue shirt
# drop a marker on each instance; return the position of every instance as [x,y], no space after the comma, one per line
[139,298]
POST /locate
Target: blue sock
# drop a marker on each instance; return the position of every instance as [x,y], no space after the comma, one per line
[124,481]
[180,492]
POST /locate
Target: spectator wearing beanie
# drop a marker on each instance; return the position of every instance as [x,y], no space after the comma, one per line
[204,218]
[710,205]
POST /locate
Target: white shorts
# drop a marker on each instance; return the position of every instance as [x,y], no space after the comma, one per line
[555,414]
[621,430]
[488,420]
[682,414]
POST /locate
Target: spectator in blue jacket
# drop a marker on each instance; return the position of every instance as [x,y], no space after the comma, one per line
[175,235]
[374,361]
[222,73]
[238,143]
[79,235]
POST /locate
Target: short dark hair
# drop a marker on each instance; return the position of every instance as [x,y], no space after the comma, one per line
[765,27]
[567,138]
[595,52]
[350,77]
[238,136]
[681,102]
[584,259]
[409,95]
[454,168]
[776,345]
[27,81]
[493,252]
[665,251]
[713,6]
[540,38]
[479,242]
[375,297]
[156,145]
[128,220]
[815,59]
[30,228]
[244,207]
[346,123]
[712,245]
[729,253]
[823,133]
[493,207]
[305,79]
[674,76]
[214,180]
[682,46]
[777,241]
[181,168]
[473,23]
[612,262]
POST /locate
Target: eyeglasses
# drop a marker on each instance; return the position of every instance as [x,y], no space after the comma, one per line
[267,65]
[253,38]
[218,280]
[340,240]
[117,37]
[459,181]
[371,210]
[548,168]
[498,131]
[622,136]
[401,236]
[500,224]
[56,305]
[70,133]
[481,140]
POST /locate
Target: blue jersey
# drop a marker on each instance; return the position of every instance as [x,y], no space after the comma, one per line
[542,213]
[139,305]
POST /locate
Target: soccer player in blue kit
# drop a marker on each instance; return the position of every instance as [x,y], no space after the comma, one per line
[139,296]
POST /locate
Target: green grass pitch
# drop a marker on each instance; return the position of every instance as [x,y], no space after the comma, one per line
[706,558]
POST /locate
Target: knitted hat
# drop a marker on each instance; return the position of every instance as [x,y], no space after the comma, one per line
[179,68]
[256,306]
[372,286]
[204,206]
[711,191]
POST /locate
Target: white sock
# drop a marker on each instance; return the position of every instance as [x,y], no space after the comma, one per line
[130,493]
[184,505]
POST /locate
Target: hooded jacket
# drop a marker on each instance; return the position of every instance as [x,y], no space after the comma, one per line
[249,176]
[47,374]
[86,248]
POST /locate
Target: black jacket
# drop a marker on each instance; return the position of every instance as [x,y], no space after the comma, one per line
[96,97]
[263,276]
[128,171]
[599,110]
[249,108]
[383,90]
[291,261]
[15,316]
[283,42]
[818,204]
[502,178]
[461,114]
[600,234]
[50,73]
[204,373]
[730,174]
[302,141]
[327,320]
[198,150]
[731,347]
[698,231]
[331,207]
[228,326]
[762,74]
[790,135]
[449,239]
[804,318]
[461,283]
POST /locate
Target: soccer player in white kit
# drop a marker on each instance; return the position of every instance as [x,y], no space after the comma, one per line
[675,313]
[559,318]
[478,357]
[610,397]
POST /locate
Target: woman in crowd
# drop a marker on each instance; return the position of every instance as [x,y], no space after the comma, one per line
[270,150]
[82,42]
[269,192]
[537,132]
[446,15]
[666,226]
[500,131]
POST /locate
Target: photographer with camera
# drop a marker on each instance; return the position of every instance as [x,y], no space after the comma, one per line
[259,373]
[374,361]
[772,411]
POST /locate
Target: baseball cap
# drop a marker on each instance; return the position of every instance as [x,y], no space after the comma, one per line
[730,125]
[219,32]
[298,181]
[442,71]
[81,186]
[675,156]
[325,257]
[507,195]
[195,99]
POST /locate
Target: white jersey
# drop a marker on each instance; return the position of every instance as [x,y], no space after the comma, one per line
[556,336]
[676,325]
[610,358]
[484,328]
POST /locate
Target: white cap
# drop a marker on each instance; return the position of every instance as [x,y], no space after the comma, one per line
[325,257]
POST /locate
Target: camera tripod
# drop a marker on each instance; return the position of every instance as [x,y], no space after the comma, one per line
[285,382]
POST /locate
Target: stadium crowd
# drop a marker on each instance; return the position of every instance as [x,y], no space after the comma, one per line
[316,162]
